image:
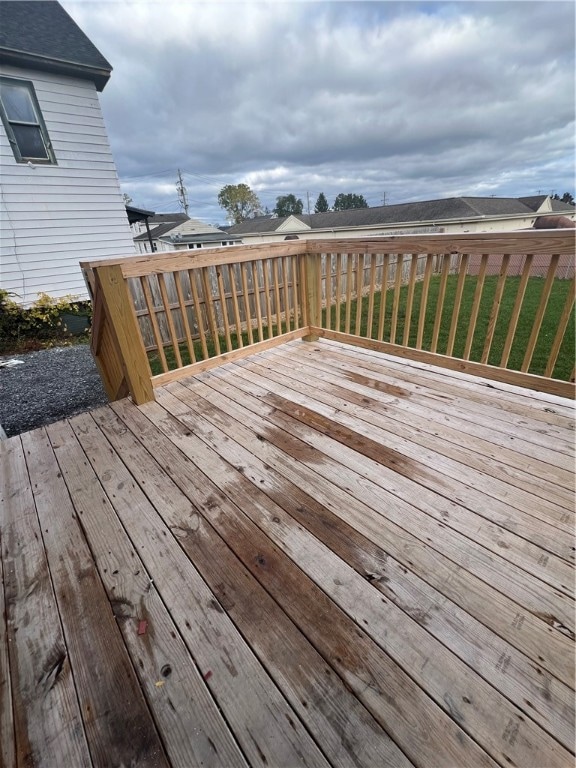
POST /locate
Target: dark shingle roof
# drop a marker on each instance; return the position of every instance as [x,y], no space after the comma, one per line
[534,201]
[40,34]
[156,232]
[424,211]
[559,206]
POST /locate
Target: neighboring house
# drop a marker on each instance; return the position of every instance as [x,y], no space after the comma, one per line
[60,199]
[177,232]
[455,214]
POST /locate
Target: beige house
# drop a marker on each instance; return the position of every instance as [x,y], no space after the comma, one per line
[455,214]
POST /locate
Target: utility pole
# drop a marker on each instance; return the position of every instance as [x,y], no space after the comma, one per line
[181,189]
[384,199]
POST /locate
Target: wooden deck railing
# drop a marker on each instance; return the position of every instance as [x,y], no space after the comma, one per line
[498,305]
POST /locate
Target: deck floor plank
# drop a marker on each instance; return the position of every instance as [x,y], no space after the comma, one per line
[456,479]
[551,705]
[253,706]
[384,687]
[341,726]
[443,404]
[119,726]
[48,727]
[407,533]
[476,404]
[529,591]
[420,425]
[463,693]
[318,555]
[495,532]
[174,687]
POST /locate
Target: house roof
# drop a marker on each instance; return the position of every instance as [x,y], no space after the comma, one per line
[534,201]
[427,210]
[156,232]
[163,218]
[188,231]
[558,206]
[39,34]
[137,214]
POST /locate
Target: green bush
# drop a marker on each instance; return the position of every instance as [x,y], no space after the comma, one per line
[39,325]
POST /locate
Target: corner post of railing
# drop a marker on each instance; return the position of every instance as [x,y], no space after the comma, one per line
[120,314]
[312,293]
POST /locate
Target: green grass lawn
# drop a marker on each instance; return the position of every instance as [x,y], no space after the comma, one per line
[565,362]
[562,370]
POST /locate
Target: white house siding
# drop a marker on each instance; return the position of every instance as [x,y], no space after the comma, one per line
[54,216]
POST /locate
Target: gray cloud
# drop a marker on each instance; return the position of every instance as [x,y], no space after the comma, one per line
[418,100]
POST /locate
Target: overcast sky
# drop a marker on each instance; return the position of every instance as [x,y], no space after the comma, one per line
[410,100]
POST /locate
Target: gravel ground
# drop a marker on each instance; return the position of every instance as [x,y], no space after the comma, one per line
[51,384]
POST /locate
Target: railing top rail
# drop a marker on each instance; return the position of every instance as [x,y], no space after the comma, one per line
[541,242]
[173,261]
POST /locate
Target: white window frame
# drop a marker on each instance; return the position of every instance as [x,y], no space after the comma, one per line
[40,124]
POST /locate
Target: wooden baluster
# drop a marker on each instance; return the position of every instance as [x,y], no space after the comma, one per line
[328,262]
[383,293]
[562,325]
[493,319]
[424,299]
[302,266]
[184,312]
[265,269]
[337,319]
[198,313]
[540,312]
[371,292]
[512,325]
[154,322]
[348,291]
[396,302]
[476,305]
[247,309]
[277,297]
[209,304]
[463,270]
[318,289]
[297,319]
[256,286]
[410,299]
[235,306]
[440,305]
[224,305]
[359,292]
[170,320]
[285,280]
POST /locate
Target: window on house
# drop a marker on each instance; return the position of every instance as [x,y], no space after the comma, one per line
[23,122]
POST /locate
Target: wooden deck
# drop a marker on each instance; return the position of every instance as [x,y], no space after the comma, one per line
[319,555]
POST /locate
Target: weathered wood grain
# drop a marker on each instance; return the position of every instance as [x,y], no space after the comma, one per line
[252,705]
[383,687]
[449,682]
[192,727]
[339,724]
[48,729]
[401,531]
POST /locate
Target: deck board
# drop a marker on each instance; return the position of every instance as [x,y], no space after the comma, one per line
[318,555]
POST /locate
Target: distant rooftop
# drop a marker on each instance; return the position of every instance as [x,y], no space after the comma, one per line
[430,211]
